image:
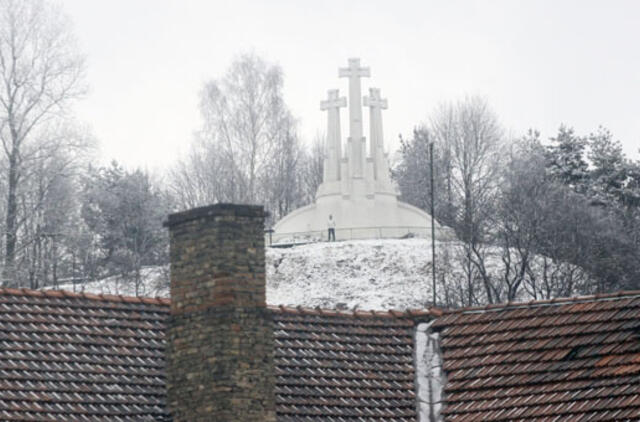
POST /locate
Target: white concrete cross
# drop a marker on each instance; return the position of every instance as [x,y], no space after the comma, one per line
[354,70]
[357,155]
[333,100]
[376,104]
[334,138]
[374,100]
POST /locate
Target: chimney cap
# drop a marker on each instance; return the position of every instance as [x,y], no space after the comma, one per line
[215,211]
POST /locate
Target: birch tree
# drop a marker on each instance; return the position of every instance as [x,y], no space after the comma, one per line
[245,118]
[248,149]
[41,73]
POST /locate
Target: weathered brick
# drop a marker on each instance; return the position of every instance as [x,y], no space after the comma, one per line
[220,337]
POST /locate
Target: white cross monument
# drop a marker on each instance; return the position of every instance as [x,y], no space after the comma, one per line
[333,154]
[376,104]
[356,189]
[356,139]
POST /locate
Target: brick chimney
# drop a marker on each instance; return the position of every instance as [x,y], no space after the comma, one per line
[220,335]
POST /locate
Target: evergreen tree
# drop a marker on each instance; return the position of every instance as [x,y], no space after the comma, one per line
[566,159]
[125,211]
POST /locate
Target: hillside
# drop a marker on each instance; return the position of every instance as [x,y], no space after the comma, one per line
[367,274]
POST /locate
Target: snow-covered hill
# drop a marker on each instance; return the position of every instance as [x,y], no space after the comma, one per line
[367,274]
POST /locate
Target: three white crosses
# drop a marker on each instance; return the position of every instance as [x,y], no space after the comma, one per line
[356,141]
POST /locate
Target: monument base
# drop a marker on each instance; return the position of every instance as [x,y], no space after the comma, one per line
[377,216]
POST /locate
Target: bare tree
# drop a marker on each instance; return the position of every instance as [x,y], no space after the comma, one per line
[247,150]
[41,73]
[245,118]
[201,177]
[471,140]
[520,212]
[282,181]
[413,173]
[312,169]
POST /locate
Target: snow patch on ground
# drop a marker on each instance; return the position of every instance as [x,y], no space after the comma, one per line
[368,274]
[154,284]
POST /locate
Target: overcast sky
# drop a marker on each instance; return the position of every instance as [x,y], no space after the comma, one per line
[539,63]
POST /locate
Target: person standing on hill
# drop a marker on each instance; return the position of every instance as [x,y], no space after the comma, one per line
[331,224]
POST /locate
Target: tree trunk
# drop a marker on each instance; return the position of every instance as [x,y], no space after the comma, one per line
[11,217]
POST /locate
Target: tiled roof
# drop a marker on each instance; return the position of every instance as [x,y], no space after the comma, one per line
[334,366]
[82,357]
[67,357]
[559,360]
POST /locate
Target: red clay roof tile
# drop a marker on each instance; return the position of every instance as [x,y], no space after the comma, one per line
[559,360]
[76,356]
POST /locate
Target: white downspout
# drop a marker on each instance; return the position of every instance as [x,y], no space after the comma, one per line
[430,377]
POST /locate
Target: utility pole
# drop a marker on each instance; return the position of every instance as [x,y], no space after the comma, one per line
[433,226]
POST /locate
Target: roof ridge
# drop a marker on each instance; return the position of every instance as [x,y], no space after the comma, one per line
[301,310]
[545,302]
[83,295]
[391,313]
[409,313]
